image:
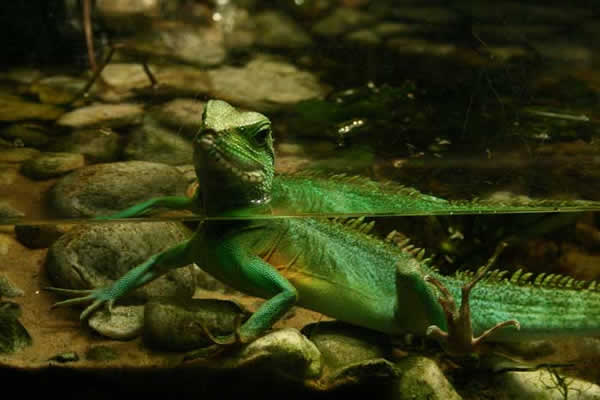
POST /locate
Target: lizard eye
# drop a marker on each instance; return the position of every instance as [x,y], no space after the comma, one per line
[261,136]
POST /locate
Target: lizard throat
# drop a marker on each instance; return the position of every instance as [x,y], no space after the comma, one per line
[223,163]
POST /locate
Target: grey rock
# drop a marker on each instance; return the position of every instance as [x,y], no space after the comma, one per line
[17,155]
[364,37]
[129,80]
[413,46]
[428,15]
[28,134]
[184,115]
[284,352]
[276,30]
[156,143]
[103,189]
[176,324]
[94,256]
[198,46]
[422,379]
[542,385]
[8,289]
[350,354]
[13,108]
[96,145]
[343,344]
[103,116]
[391,29]
[264,84]
[60,89]
[342,20]
[40,236]
[8,211]
[49,165]
[122,323]
[13,336]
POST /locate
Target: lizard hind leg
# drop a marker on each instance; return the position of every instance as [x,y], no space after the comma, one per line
[458,339]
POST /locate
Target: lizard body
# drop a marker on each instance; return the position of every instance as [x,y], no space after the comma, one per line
[338,268]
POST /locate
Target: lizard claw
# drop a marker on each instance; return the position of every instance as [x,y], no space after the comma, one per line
[459,339]
[98,297]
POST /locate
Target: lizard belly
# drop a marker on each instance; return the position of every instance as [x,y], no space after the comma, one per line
[344,303]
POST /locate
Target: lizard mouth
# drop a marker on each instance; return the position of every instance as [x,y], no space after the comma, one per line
[224,162]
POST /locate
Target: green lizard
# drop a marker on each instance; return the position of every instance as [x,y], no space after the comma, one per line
[338,268]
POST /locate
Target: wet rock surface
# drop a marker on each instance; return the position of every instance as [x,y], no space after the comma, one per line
[178,325]
[13,336]
[104,189]
[94,256]
[48,165]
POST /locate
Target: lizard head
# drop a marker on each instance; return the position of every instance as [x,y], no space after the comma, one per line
[233,157]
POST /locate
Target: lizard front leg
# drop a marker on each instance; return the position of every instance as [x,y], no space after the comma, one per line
[168,202]
[149,270]
[458,339]
[234,265]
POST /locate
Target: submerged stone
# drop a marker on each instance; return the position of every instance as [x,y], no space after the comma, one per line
[49,165]
[94,256]
[96,145]
[104,189]
[103,115]
[264,84]
[174,324]
[13,108]
[13,336]
[155,143]
[122,323]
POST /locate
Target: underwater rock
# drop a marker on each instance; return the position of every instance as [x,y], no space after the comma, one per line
[103,189]
[129,8]
[543,384]
[341,344]
[276,30]
[342,20]
[17,155]
[40,236]
[93,256]
[203,47]
[13,336]
[155,143]
[175,324]
[349,354]
[417,46]
[129,80]
[13,108]
[364,37]
[264,84]
[28,134]
[422,379]
[49,165]
[60,89]
[122,323]
[103,116]
[8,211]
[8,289]
[97,145]
[184,115]
[283,352]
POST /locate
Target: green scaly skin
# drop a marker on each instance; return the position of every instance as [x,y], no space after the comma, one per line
[332,266]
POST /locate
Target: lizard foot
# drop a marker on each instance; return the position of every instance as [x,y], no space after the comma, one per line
[459,340]
[98,297]
[219,343]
